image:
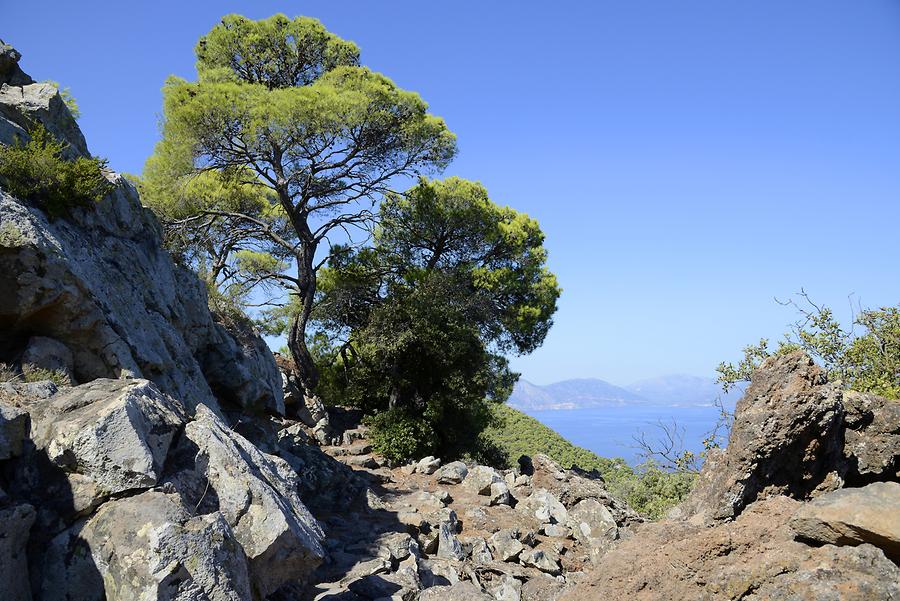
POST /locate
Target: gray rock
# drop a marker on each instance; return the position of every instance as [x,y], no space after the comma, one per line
[10,73]
[500,494]
[544,507]
[853,516]
[14,426]
[114,434]
[544,559]
[480,478]
[556,531]
[452,473]
[46,353]
[480,553]
[449,546]
[461,591]
[146,547]
[507,589]
[22,104]
[428,465]
[15,523]
[505,545]
[592,523]
[215,468]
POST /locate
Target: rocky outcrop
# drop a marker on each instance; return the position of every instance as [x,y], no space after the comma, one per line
[15,522]
[871,438]
[753,558]
[786,440]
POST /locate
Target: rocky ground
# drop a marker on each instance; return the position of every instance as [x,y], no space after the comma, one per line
[171,458]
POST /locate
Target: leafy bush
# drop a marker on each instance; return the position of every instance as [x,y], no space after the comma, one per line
[36,172]
[68,99]
[400,436]
[865,358]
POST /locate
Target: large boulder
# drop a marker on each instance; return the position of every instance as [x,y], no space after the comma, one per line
[48,354]
[216,469]
[853,516]
[15,523]
[110,436]
[145,547]
[20,105]
[786,440]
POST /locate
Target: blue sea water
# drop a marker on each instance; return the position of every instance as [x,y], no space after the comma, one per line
[610,431]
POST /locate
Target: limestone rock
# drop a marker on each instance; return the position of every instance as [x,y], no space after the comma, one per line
[14,426]
[785,440]
[500,494]
[15,522]
[545,507]
[452,473]
[428,465]
[10,73]
[480,478]
[461,591]
[592,522]
[22,104]
[216,469]
[544,559]
[146,547]
[449,546]
[852,516]
[505,545]
[115,434]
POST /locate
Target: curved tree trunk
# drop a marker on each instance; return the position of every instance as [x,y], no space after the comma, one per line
[307,373]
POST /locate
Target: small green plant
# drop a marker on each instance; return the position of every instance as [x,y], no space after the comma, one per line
[68,99]
[36,172]
[399,436]
[10,236]
[8,375]
[32,373]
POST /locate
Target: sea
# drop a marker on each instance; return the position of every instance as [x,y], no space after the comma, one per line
[611,431]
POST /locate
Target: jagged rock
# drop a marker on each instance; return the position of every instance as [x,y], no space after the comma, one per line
[20,105]
[508,589]
[452,473]
[544,559]
[111,435]
[505,545]
[14,426]
[461,591]
[449,546]
[146,547]
[592,523]
[15,523]
[545,507]
[480,478]
[785,440]
[852,516]
[46,353]
[753,557]
[871,437]
[500,494]
[428,465]
[480,552]
[556,531]
[10,73]
[383,586]
[216,469]
[571,486]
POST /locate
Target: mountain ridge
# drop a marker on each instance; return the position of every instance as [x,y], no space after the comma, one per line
[588,393]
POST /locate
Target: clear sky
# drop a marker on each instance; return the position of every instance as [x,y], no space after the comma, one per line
[688,161]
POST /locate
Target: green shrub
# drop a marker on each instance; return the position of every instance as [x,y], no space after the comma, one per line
[68,99]
[31,373]
[36,172]
[400,436]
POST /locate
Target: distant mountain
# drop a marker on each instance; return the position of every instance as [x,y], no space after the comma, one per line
[571,394]
[672,390]
[680,389]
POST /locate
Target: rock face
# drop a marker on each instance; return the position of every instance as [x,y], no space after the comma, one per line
[786,439]
[871,437]
[15,523]
[853,516]
[754,558]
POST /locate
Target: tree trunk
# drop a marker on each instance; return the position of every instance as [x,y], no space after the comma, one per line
[307,373]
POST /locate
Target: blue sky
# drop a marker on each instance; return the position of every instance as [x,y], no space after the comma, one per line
[688,161]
